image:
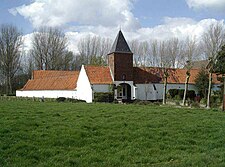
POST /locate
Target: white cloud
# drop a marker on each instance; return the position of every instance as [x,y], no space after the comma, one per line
[207,4]
[107,13]
[176,27]
[172,27]
[104,17]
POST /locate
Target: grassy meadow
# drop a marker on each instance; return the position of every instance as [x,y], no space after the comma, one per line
[79,134]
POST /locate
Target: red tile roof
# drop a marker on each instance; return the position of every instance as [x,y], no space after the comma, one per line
[98,74]
[52,80]
[67,80]
[155,75]
[41,74]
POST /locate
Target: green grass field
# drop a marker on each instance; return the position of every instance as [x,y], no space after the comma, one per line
[79,134]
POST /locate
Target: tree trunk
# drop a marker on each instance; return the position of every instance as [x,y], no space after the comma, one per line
[209,90]
[185,90]
[10,86]
[7,86]
[164,90]
[223,107]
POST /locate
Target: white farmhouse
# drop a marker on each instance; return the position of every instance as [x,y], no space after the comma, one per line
[127,82]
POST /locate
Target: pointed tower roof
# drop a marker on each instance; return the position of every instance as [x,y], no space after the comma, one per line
[120,44]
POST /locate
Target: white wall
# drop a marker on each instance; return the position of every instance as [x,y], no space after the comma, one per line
[47,93]
[147,92]
[216,87]
[84,89]
[82,92]
[102,88]
[133,88]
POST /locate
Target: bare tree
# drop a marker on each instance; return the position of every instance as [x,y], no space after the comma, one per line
[134,46]
[188,74]
[190,53]
[173,50]
[154,53]
[144,54]
[213,40]
[49,48]
[93,50]
[165,64]
[10,45]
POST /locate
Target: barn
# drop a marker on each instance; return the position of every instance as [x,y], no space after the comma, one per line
[120,76]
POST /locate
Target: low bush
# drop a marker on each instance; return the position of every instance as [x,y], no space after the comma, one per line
[75,100]
[178,94]
[195,104]
[173,92]
[103,97]
[142,102]
[203,101]
[61,99]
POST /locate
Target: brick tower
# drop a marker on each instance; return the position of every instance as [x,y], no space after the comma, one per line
[120,59]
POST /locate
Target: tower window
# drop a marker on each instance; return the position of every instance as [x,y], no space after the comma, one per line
[124,77]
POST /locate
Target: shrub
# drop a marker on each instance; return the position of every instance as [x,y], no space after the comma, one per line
[60,99]
[103,97]
[181,93]
[142,102]
[191,94]
[195,105]
[178,94]
[203,101]
[75,100]
[215,101]
[173,92]
[177,97]
[177,103]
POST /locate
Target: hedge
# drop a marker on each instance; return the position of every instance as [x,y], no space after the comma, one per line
[179,93]
[103,97]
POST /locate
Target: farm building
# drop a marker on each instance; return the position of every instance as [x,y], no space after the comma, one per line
[127,82]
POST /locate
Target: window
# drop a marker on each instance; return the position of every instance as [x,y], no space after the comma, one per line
[154,86]
[124,77]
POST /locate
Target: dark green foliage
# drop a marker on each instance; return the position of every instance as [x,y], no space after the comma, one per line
[107,97]
[216,99]
[61,99]
[75,100]
[178,94]
[195,104]
[75,134]
[142,102]
[219,66]
[202,82]
[173,92]
[191,94]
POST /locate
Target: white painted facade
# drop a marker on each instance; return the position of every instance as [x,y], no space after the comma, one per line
[155,91]
[102,88]
[47,93]
[120,94]
[82,92]
[84,87]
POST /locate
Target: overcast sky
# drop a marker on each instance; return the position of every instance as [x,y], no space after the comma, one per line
[138,19]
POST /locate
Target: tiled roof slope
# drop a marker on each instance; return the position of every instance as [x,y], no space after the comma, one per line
[98,74]
[155,75]
[198,64]
[52,80]
[41,74]
[120,45]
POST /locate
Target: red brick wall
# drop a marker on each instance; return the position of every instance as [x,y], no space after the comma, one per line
[121,64]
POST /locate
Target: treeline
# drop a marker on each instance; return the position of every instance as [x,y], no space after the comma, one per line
[49,51]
